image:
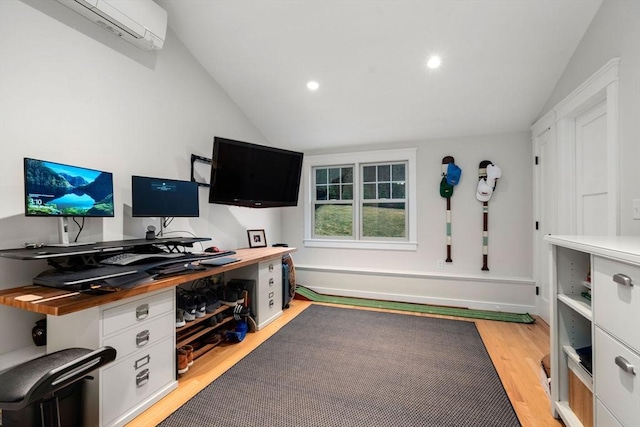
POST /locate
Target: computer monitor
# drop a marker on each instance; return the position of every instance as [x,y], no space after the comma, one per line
[59,190]
[163,198]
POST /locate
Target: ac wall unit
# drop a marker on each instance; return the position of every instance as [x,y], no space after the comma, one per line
[142,23]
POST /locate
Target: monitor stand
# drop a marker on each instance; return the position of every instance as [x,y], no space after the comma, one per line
[63,235]
[163,221]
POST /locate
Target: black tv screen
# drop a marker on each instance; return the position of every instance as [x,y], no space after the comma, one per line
[56,189]
[160,197]
[245,174]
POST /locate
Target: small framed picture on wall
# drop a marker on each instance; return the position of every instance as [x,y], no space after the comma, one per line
[257,238]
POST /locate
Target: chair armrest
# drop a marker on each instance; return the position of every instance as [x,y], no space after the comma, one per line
[31,381]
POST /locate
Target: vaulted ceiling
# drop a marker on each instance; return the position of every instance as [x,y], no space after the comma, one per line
[500,62]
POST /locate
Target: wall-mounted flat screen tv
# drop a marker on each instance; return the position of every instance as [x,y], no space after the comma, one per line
[56,189]
[165,198]
[246,174]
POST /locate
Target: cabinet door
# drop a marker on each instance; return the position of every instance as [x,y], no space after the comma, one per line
[130,382]
[143,335]
[269,291]
[617,378]
[129,314]
[269,306]
[616,298]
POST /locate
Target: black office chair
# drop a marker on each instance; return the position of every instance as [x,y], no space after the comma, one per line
[47,391]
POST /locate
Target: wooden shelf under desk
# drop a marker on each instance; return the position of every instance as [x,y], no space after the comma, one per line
[59,301]
[193,330]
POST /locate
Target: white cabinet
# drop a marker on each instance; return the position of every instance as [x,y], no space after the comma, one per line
[609,323]
[142,330]
[268,293]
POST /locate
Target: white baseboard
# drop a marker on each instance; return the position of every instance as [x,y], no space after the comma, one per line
[513,295]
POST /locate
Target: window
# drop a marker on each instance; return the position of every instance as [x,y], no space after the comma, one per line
[361,200]
[384,213]
[333,208]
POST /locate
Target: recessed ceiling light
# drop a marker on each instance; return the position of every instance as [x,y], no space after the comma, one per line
[313,85]
[434,62]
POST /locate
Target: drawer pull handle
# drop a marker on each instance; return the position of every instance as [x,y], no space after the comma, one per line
[622,279]
[142,311]
[142,338]
[142,378]
[142,361]
[270,303]
[271,282]
[270,294]
[625,365]
[270,267]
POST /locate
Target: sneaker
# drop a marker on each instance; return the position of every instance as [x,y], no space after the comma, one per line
[241,312]
[211,299]
[186,302]
[219,317]
[189,350]
[183,362]
[212,321]
[232,296]
[180,318]
[201,305]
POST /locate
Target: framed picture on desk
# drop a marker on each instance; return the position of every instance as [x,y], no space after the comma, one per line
[257,239]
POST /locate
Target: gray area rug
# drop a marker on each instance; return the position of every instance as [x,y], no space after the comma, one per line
[343,367]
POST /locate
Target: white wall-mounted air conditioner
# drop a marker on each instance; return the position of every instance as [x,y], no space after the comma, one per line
[142,23]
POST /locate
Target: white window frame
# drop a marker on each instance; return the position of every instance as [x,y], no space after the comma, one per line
[407,155]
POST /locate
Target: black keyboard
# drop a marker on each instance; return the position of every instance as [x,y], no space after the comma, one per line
[130,258]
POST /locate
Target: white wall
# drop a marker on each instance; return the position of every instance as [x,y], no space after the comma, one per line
[613,33]
[413,275]
[73,93]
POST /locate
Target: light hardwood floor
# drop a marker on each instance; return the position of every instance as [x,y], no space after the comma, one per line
[516,350]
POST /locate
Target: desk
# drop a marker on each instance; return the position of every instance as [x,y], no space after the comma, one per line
[144,370]
[70,302]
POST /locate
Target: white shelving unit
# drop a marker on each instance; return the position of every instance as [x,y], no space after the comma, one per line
[609,323]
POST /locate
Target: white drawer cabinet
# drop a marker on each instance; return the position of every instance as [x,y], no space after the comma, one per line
[142,330]
[609,323]
[269,291]
[128,383]
[268,278]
